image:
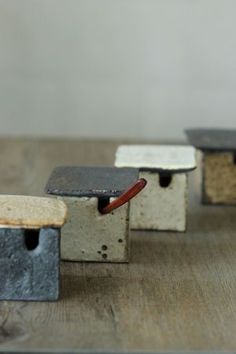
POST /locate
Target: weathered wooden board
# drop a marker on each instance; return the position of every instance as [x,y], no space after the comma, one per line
[177,294]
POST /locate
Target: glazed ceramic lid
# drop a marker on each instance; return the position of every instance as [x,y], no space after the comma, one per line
[166,158]
[213,139]
[91,181]
[31,212]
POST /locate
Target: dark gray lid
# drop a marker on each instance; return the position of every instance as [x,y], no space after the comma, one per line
[91,181]
[212,139]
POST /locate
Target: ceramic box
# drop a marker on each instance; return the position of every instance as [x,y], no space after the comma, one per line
[218,147]
[30,247]
[89,235]
[162,205]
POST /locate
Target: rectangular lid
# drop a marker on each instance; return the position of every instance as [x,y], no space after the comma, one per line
[212,139]
[91,181]
[31,212]
[166,158]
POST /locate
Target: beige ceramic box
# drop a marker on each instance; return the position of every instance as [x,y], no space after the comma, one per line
[162,204]
[218,147]
[89,235]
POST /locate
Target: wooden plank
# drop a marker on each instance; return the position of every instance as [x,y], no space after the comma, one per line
[177,294]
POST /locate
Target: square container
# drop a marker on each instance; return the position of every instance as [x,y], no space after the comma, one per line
[89,235]
[218,148]
[30,247]
[162,205]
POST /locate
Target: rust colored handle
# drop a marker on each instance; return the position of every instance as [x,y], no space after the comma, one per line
[125,197]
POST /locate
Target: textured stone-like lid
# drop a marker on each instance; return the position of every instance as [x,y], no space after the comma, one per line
[90,181]
[31,212]
[168,158]
[213,139]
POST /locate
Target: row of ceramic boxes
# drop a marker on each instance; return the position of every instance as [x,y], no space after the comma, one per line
[30,227]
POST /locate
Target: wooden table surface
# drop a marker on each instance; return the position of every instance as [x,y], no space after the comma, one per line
[178,293]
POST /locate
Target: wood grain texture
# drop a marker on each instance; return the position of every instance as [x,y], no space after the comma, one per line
[177,294]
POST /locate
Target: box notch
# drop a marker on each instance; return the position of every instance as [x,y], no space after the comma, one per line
[31,238]
[165,179]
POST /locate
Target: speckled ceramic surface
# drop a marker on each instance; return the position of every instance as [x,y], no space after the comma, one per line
[157,157]
[29,264]
[31,212]
[219,182]
[93,237]
[88,235]
[160,208]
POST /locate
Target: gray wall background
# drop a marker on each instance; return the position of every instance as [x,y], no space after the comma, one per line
[116,68]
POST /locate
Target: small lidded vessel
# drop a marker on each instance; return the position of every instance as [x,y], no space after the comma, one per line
[162,205]
[90,234]
[30,247]
[218,147]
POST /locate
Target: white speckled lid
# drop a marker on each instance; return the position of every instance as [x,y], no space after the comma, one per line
[172,158]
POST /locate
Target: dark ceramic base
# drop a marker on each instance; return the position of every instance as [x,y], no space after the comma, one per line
[29,264]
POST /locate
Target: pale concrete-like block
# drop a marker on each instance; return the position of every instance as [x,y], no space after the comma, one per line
[160,208]
[162,205]
[219,178]
[91,236]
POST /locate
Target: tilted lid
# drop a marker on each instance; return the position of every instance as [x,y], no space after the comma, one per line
[31,212]
[212,139]
[169,158]
[91,181]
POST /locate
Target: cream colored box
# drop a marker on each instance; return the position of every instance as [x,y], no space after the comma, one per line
[218,147]
[88,234]
[162,205]
[91,236]
[219,178]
